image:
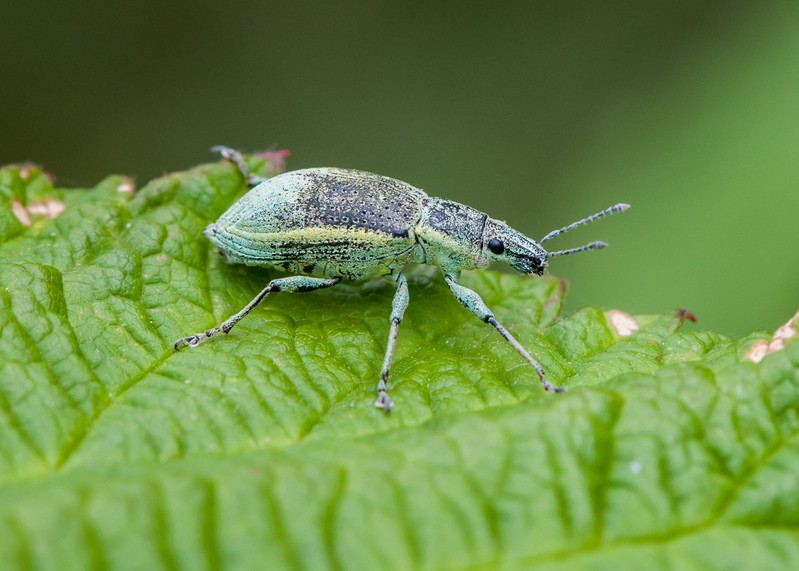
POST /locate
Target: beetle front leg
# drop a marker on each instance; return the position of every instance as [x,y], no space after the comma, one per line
[294,284]
[398,307]
[474,303]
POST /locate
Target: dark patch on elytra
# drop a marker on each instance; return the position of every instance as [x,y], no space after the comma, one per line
[361,201]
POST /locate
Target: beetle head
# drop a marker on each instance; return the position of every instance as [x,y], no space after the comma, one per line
[501,243]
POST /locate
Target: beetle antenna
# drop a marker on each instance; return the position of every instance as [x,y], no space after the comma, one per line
[613,209]
[591,246]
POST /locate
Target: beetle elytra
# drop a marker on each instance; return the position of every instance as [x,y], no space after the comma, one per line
[329,224]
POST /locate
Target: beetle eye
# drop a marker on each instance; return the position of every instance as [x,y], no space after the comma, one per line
[496,246]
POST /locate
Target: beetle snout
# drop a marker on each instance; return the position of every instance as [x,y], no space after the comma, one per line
[538,266]
[209,230]
[529,265]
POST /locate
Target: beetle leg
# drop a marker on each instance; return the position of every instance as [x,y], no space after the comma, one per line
[472,301]
[398,307]
[237,159]
[294,284]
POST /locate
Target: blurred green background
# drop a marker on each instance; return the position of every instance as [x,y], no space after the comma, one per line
[535,112]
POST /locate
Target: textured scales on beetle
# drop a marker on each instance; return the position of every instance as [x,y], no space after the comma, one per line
[329,224]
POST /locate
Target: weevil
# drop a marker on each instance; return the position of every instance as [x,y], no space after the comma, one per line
[328,224]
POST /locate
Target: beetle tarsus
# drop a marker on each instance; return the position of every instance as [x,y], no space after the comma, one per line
[191,341]
[549,387]
[383,401]
[231,155]
[194,340]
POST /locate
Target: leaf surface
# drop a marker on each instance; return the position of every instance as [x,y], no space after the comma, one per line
[262,449]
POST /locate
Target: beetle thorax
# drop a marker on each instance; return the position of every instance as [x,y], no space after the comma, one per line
[451,234]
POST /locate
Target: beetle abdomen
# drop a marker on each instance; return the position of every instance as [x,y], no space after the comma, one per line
[327,198]
[352,219]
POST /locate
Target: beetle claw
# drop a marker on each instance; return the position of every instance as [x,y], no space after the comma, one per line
[223,151]
[191,341]
[550,388]
[383,402]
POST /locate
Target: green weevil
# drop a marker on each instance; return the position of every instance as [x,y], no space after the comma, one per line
[329,224]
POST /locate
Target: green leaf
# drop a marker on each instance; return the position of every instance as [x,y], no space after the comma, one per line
[263,449]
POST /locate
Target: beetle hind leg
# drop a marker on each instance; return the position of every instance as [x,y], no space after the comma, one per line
[235,157]
[293,284]
[398,307]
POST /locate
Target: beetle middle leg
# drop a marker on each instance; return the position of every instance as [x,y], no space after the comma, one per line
[294,284]
[398,307]
[474,303]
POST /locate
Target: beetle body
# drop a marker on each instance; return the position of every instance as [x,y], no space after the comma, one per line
[326,224]
[330,222]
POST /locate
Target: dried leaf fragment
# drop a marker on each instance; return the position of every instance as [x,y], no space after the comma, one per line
[20,212]
[50,208]
[623,323]
[777,342]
